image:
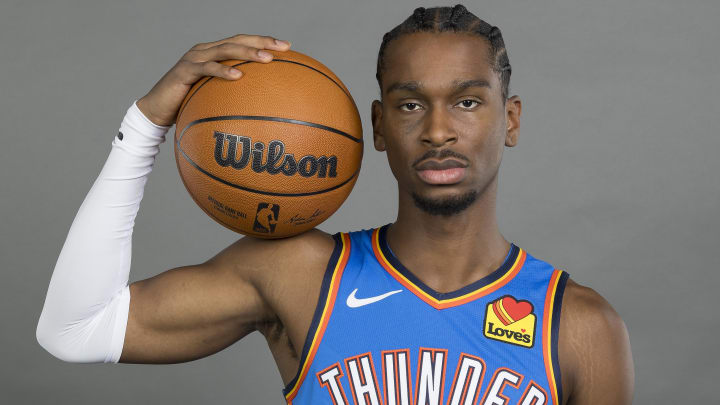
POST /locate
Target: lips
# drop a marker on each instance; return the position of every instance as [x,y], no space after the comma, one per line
[448,171]
[439,164]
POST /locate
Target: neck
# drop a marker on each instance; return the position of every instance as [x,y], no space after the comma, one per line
[449,252]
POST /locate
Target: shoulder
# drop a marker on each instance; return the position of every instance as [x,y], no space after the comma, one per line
[594,349]
[285,273]
[586,309]
[253,256]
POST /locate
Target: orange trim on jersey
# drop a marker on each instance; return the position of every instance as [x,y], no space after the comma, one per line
[396,375]
[468,377]
[527,391]
[361,375]
[503,385]
[547,334]
[443,369]
[450,302]
[327,311]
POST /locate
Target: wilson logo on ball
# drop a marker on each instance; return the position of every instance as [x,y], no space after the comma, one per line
[226,154]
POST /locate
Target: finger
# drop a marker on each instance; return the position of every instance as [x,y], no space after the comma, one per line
[262,42]
[228,51]
[190,72]
[206,45]
[255,41]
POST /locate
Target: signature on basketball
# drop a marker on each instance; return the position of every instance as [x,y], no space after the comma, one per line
[298,219]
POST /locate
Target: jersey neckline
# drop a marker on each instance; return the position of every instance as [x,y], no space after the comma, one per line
[479,288]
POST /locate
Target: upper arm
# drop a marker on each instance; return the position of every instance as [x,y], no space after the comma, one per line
[193,311]
[594,350]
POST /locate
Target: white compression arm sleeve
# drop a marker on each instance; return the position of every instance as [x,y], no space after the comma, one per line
[86,308]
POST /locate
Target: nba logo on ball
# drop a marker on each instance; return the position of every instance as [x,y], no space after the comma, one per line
[266,217]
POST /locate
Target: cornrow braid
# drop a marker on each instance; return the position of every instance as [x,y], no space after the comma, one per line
[419,17]
[455,19]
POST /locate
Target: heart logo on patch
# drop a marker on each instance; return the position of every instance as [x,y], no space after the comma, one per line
[509,310]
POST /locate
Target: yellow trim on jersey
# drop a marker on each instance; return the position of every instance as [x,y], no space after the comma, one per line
[547,334]
[450,302]
[327,310]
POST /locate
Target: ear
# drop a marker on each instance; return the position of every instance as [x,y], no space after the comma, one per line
[378,138]
[513,109]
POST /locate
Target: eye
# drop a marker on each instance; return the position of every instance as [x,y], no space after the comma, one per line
[410,107]
[468,104]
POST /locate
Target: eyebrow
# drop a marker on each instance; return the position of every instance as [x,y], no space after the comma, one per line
[458,85]
[407,86]
[461,85]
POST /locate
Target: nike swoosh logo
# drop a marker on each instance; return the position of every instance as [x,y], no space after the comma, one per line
[354,302]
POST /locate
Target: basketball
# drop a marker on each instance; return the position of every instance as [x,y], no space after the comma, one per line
[274,153]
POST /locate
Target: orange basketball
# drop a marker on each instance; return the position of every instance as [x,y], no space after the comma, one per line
[273,153]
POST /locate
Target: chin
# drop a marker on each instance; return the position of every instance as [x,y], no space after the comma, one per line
[445,205]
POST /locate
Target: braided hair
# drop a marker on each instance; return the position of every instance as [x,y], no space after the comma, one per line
[454,19]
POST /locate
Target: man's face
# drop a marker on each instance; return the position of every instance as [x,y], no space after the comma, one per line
[443,121]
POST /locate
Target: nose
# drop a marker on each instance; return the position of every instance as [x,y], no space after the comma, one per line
[438,130]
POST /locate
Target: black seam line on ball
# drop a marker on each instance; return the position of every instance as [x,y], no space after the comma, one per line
[200,86]
[252,190]
[274,60]
[310,67]
[265,118]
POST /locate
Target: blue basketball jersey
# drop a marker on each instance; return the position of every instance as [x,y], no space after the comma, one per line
[380,336]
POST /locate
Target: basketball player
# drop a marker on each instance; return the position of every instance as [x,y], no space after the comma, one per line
[435,308]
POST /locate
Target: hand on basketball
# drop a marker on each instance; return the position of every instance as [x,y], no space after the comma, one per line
[162,102]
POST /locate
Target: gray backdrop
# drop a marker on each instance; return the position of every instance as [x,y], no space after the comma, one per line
[615,177]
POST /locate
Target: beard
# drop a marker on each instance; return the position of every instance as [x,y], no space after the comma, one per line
[447,206]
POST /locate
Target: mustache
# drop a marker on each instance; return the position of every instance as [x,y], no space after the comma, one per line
[445,153]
